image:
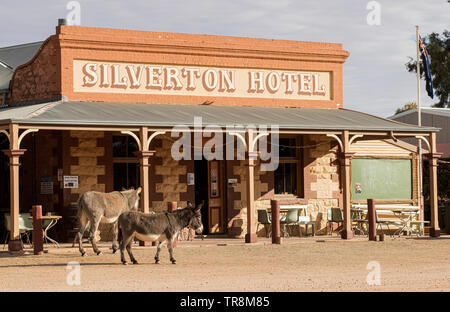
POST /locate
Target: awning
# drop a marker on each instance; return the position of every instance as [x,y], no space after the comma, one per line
[168,115]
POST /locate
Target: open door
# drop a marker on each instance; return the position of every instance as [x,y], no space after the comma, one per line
[209,187]
[215,197]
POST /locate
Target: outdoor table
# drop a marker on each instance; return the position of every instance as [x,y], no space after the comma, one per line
[405,216]
[53,221]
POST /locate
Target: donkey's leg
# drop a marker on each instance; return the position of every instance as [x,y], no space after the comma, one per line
[132,258]
[158,249]
[92,232]
[170,247]
[126,240]
[84,222]
[115,244]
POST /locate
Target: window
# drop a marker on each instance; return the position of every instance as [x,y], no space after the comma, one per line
[126,173]
[287,178]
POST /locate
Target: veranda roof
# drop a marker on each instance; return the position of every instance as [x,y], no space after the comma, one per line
[168,115]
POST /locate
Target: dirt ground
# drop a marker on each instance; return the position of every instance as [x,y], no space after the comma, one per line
[222,265]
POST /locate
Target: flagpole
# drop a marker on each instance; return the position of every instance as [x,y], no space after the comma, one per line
[419,119]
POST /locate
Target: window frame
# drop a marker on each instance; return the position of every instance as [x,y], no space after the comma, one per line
[298,160]
[125,159]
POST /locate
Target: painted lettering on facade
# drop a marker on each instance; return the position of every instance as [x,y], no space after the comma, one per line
[106,77]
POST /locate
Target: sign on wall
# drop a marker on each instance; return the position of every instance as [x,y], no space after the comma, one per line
[70,181]
[47,185]
[132,78]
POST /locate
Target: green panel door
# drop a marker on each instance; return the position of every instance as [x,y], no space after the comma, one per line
[385,179]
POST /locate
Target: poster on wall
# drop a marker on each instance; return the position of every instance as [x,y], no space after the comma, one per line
[190,179]
[358,188]
[70,181]
[47,185]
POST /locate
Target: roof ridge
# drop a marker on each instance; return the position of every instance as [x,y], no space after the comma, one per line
[42,109]
[383,118]
[21,45]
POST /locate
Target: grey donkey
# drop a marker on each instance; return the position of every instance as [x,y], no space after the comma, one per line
[96,207]
[162,227]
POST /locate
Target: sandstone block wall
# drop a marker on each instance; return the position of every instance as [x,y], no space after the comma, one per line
[323,172]
[240,205]
[88,169]
[168,172]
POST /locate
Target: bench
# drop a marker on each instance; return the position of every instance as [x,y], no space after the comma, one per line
[399,211]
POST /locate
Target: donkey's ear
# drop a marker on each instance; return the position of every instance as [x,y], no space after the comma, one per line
[189,204]
[199,206]
[139,190]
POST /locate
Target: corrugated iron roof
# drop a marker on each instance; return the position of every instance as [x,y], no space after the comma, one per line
[135,114]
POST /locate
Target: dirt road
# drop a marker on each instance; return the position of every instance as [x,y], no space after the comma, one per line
[309,264]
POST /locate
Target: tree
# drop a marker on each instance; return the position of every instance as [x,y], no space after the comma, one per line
[407,106]
[439,50]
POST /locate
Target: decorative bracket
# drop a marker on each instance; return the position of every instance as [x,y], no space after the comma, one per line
[138,141]
[154,134]
[24,134]
[354,138]
[334,136]
[424,139]
[5,133]
[239,136]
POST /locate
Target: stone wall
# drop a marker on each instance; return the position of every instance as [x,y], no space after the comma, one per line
[88,169]
[262,198]
[41,77]
[321,173]
[169,176]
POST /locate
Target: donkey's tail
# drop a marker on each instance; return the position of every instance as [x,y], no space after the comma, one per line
[119,235]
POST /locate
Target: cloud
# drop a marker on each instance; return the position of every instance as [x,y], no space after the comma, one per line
[375,77]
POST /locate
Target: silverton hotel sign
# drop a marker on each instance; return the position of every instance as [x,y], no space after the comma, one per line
[108,77]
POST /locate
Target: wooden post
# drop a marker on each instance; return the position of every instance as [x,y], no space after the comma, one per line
[346,162]
[14,153]
[38,236]
[143,162]
[435,231]
[372,219]
[276,235]
[172,206]
[251,236]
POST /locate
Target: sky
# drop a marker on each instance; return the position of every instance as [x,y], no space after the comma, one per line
[380,35]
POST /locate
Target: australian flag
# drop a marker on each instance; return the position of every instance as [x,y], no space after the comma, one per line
[426,65]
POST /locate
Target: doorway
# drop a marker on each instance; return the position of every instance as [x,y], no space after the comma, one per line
[209,177]
[201,190]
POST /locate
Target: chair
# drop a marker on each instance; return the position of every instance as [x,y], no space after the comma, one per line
[357,217]
[25,227]
[380,223]
[290,219]
[306,221]
[264,219]
[334,216]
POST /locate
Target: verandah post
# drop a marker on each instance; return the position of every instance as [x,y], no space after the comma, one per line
[372,219]
[275,208]
[38,235]
[435,231]
[172,206]
[346,162]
